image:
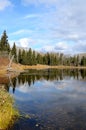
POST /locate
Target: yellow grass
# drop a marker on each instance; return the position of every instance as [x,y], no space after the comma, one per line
[7,111]
[19,68]
[57,67]
[2,71]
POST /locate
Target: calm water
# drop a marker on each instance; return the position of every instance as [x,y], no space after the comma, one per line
[50,100]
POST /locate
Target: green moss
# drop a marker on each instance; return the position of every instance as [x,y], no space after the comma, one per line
[7,111]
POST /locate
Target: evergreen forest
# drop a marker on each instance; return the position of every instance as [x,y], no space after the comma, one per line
[32,57]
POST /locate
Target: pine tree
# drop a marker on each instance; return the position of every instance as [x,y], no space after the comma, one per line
[29,56]
[20,56]
[8,48]
[34,58]
[39,58]
[77,60]
[14,52]
[83,61]
[24,58]
[4,46]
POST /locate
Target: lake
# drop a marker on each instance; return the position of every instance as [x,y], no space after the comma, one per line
[50,99]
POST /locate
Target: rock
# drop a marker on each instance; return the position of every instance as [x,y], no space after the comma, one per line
[37,125]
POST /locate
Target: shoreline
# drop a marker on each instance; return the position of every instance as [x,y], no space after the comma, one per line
[18,68]
[53,67]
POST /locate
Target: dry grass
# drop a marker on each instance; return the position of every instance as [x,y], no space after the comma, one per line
[19,68]
[57,67]
[2,70]
[7,112]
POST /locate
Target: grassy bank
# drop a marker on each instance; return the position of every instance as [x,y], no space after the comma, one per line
[7,112]
[19,68]
[56,67]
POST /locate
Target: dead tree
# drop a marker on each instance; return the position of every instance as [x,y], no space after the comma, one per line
[9,65]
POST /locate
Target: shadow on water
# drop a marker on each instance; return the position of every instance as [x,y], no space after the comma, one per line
[50,99]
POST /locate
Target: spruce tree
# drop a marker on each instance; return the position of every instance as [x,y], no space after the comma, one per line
[83,61]
[24,60]
[4,46]
[14,52]
[29,56]
[34,58]
[61,58]
[20,56]
[39,58]
[77,60]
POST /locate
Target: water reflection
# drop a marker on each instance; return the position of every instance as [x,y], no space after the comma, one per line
[53,99]
[50,74]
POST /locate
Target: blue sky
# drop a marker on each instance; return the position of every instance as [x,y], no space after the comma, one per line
[45,25]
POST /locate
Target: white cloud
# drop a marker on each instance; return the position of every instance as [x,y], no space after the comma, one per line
[65,23]
[24,88]
[25,42]
[71,20]
[4,4]
[61,46]
[80,47]
[67,48]
[48,48]
[58,47]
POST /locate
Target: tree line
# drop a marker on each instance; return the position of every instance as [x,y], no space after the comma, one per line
[31,57]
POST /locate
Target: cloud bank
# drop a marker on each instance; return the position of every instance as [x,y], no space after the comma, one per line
[53,25]
[4,4]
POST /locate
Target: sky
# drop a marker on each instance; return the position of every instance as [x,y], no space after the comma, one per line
[45,25]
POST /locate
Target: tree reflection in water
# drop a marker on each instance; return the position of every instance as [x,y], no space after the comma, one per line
[48,74]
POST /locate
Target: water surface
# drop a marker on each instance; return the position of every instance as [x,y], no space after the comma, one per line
[50,99]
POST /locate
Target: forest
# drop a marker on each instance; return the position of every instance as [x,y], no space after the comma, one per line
[32,57]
